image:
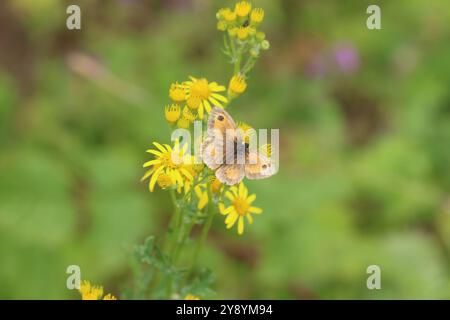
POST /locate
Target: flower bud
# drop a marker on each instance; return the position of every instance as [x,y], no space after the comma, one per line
[265,45]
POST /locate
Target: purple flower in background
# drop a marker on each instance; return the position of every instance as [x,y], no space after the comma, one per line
[346,57]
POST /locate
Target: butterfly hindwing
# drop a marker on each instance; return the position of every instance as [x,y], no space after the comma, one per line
[230,174]
[258,166]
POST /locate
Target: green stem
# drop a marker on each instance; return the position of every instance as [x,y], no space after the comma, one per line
[167,241]
[248,66]
[177,230]
[237,64]
[177,225]
[203,235]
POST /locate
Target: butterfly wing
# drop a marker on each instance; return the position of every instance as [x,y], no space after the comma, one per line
[219,122]
[230,174]
[258,166]
[214,145]
[212,152]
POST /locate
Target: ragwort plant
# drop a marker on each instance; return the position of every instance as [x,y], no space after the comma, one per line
[167,269]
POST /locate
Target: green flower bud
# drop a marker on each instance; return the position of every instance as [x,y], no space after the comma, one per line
[254,52]
[221,25]
[232,32]
[260,36]
[265,45]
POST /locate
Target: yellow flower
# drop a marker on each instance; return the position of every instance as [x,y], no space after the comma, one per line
[202,196]
[221,25]
[216,186]
[257,15]
[191,297]
[242,9]
[89,292]
[241,207]
[206,92]
[202,193]
[227,14]
[237,85]
[188,115]
[183,123]
[177,92]
[244,126]
[172,113]
[193,102]
[233,31]
[164,163]
[242,33]
[188,182]
[164,181]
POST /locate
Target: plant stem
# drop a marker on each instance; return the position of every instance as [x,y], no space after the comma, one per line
[204,233]
[177,225]
[237,64]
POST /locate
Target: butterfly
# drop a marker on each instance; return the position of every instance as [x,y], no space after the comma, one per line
[226,151]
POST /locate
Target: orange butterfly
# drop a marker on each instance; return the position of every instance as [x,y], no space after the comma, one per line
[226,151]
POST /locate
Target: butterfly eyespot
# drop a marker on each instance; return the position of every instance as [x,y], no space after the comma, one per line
[220,118]
[264,166]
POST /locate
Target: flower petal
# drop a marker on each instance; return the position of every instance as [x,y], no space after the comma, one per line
[186,173]
[231,219]
[215,87]
[155,152]
[219,97]
[229,195]
[215,102]
[198,191]
[151,163]
[152,182]
[251,198]
[200,111]
[160,147]
[250,218]
[255,210]
[147,174]
[207,106]
[224,211]
[203,201]
[178,177]
[241,190]
[234,189]
[241,225]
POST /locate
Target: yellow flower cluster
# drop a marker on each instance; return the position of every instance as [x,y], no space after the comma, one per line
[171,166]
[237,85]
[191,99]
[239,208]
[90,292]
[242,23]
[165,172]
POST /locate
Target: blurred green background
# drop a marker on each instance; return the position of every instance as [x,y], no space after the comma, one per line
[364,120]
